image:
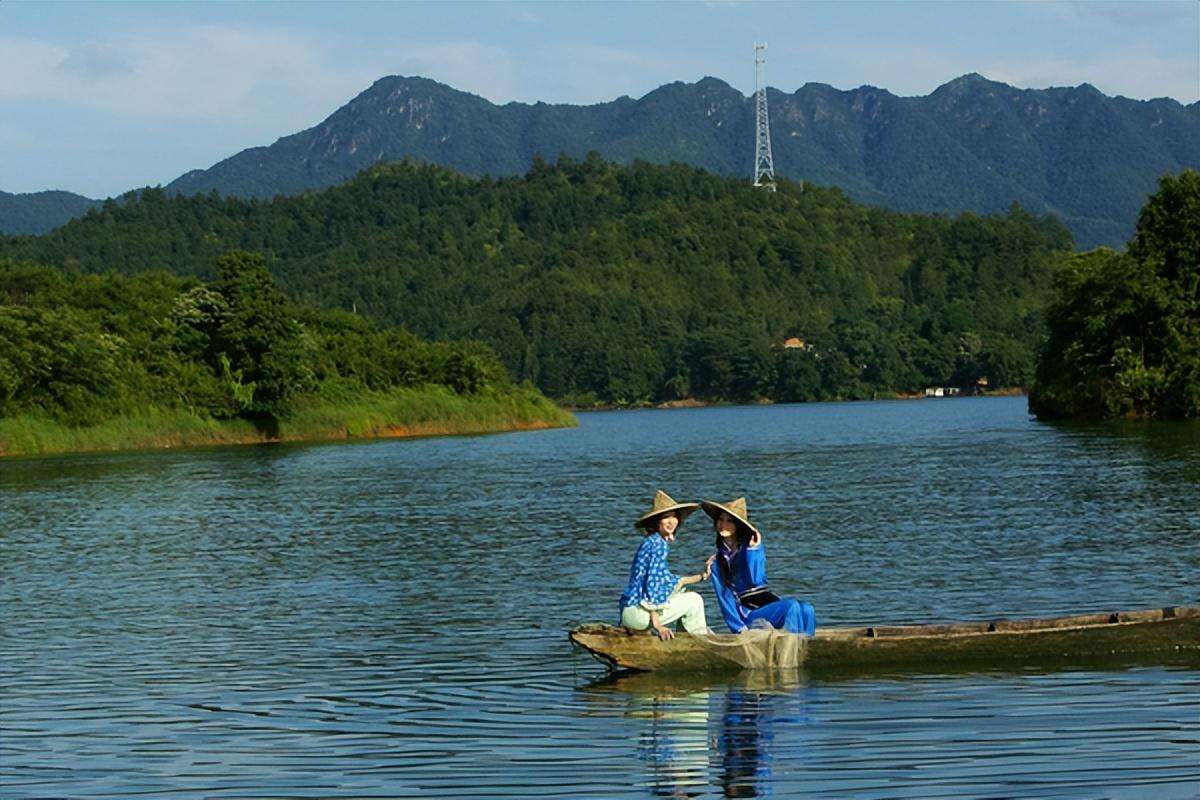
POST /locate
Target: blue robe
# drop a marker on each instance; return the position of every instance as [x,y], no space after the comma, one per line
[748,569]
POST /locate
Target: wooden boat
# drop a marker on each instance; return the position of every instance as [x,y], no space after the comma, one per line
[1165,635]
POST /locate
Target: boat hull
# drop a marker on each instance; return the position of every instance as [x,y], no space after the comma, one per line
[1168,635]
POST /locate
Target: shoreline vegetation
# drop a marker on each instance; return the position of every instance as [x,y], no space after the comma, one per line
[1123,329]
[410,412]
[693,402]
[546,287]
[108,362]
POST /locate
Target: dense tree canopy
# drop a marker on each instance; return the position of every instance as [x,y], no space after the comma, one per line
[83,348]
[1124,329]
[620,284]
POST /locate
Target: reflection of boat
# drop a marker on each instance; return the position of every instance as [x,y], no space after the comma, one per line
[681,684]
[1167,635]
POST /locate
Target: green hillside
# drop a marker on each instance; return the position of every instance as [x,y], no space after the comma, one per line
[625,284]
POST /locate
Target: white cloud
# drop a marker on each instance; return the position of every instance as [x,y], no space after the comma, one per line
[207,71]
[25,65]
[181,73]
[202,89]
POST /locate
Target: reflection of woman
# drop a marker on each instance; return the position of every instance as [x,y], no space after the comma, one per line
[675,744]
[745,741]
[740,580]
[654,597]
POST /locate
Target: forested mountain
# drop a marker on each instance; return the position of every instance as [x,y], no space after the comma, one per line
[973,144]
[41,211]
[625,283]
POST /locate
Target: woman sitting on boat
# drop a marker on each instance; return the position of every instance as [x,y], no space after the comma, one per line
[654,597]
[740,580]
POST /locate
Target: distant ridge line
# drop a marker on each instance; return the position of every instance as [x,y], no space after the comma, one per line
[972,144]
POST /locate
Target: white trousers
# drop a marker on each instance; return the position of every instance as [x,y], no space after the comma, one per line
[687,607]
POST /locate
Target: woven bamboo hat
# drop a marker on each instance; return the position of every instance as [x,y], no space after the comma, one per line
[734,508]
[664,504]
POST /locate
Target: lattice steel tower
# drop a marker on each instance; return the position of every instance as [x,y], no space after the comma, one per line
[764,166]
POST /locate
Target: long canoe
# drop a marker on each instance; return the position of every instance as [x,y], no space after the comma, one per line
[1164,635]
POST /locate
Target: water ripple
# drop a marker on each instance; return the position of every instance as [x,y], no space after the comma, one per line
[387,619]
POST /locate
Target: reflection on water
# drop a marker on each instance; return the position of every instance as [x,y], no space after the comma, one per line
[388,619]
[704,733]
[1060,734]
[674,743]
[744,743]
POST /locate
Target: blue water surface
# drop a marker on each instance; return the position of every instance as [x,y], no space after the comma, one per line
[388,619]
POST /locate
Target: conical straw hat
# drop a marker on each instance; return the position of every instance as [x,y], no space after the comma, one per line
[664,503]
[734,508]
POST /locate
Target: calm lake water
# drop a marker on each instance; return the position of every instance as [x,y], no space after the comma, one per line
[388,619]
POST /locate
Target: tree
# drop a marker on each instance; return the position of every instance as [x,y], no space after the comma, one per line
[1168,231]
[1124,329]
[258,336]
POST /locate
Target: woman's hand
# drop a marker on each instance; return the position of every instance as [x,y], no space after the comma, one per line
[755,539]
[663,631]
[708,565]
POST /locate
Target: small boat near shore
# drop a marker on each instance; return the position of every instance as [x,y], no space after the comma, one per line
[1162,635]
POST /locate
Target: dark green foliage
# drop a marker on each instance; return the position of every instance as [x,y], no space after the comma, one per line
[1168,232]
[39,212]
[613,284]
[84,348]
[1124,329]
[56,361]
[256,337]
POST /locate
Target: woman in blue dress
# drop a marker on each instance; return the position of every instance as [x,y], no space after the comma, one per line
[654,597]
[740,576]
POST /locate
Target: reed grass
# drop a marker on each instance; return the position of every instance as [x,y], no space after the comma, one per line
[331,414]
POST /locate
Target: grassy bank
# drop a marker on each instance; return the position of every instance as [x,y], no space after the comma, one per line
[424,411]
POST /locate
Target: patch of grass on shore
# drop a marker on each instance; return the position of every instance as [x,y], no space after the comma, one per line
[426,411]
[422,411]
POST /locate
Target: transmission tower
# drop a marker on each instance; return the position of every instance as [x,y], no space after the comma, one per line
[764,166]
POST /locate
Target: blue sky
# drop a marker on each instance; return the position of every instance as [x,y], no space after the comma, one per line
[98,98]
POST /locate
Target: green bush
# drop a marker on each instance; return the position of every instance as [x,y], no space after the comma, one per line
[1124,328]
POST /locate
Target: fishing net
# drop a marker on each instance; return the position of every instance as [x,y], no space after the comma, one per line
[759,647]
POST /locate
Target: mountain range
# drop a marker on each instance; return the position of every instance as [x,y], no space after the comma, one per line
[973,144]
